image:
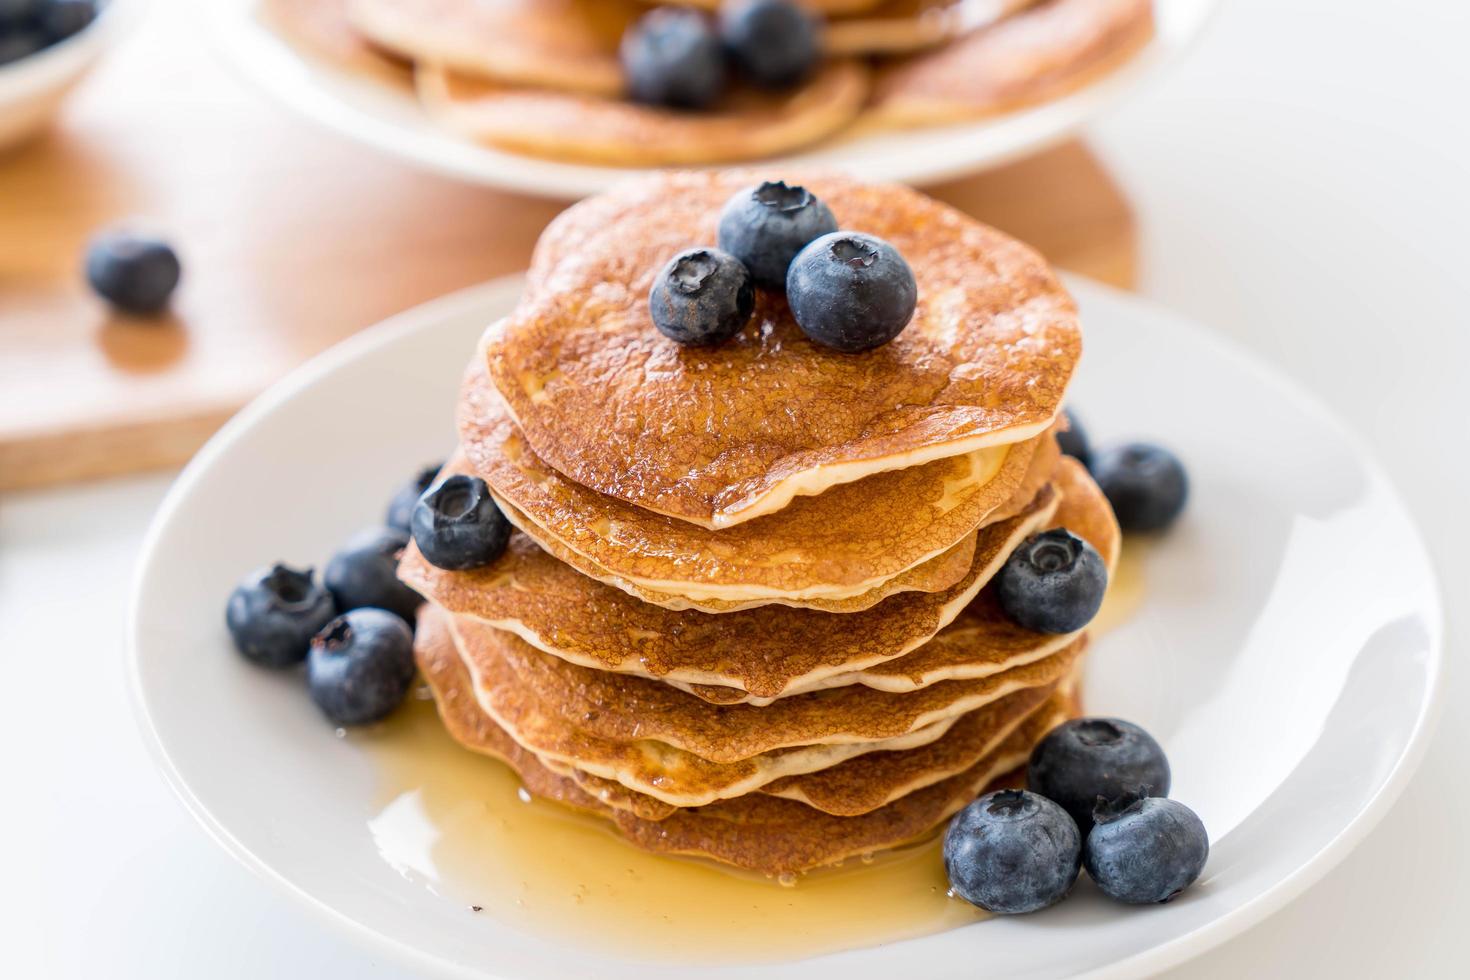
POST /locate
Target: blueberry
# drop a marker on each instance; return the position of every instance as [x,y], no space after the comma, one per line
[1011,852]
[765,226]
[19,44]
[360,666]
[12,11]
[365,573]
[135,273]
[1053,583]
[1087,758]
[400,508]
[1146,485]
[457,525]
[703,296]
[851,291]
[673,57]
[60,19]
[274,612]
[1145,850]
[775,42]
[1073,441]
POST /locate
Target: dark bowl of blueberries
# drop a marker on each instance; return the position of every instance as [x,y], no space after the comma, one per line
[46,46]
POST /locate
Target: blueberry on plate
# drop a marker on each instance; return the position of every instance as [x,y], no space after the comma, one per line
[60,19]
[1073,440]
[1146,485]
[1054,582]
[13,11]
[365,573]
[135,273]
[851,291]
[672,56]
[775,42]
[765,226]
[703,296]
[360,666]
[400,508]
[1145,849]
[457,525]
[19,43]
[1011,852]
[274,612]
[1085,759]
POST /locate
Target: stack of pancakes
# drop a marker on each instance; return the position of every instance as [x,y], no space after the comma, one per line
[744,613]
[543,76]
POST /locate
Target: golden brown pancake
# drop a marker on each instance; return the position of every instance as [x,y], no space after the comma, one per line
[648,766]
[320,28]
[840,544]
[745,124]
[982,639]
[724,658]
[868,780]
[1039,54]
[829,7]
[721,435]
[902,26]
[758,832]
[566,45]
[620,707]
[935,575]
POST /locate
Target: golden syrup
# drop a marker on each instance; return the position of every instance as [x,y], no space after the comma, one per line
[463,825]
[1125,589]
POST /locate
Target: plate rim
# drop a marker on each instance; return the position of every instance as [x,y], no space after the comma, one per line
[250,55]
[504,289]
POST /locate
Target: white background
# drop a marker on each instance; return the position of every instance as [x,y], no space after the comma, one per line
[1302,185]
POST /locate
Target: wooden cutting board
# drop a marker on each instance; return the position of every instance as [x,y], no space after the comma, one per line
[291,239]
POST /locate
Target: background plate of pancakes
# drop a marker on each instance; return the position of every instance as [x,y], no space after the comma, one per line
[1286,649]
[346,86]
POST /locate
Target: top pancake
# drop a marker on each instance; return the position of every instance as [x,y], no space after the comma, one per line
[717,436]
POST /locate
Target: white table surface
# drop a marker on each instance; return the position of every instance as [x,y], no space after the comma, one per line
[1301,183]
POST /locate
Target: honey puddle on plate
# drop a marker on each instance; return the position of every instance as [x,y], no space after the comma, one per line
[462,824]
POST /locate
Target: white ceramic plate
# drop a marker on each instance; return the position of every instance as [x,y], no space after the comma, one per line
[391,120]
[1287,653]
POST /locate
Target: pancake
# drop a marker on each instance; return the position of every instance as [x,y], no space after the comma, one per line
[718,436]
[649,766]
[320,28]
[843,543]
[982,640]
[723,658]
[873,779]
[758,832]
[828,7]
[903,26]
[623,708]
[745,124]
[934,575]
[1039,54]
[567,45]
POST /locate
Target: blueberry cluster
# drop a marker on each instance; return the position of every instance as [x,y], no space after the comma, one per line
[28,26]
[353,628]
[846,290]
[1055,581]
[684,59]
[1096,797]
